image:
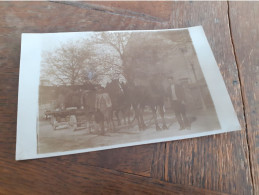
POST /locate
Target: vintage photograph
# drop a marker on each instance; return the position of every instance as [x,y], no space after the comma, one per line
[109,88]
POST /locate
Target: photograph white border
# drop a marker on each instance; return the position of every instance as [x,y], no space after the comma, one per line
[27,114]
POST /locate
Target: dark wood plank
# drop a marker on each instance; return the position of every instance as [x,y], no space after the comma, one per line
[244,19]
[81,179]
[217,162]
[158,163]
[153,10]
[135,160]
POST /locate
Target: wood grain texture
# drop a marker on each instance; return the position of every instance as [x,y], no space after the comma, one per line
[81,179]
[215,167]
[244,19]
[219,163]
[156,10]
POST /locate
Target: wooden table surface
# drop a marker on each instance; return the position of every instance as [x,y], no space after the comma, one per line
[225,163]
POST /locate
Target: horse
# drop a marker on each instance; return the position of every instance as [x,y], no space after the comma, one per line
[151,94]
[120,102]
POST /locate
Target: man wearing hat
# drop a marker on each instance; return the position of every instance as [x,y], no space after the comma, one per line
[177,99]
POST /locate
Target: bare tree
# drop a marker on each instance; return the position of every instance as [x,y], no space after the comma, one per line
[67,64]
[112,61]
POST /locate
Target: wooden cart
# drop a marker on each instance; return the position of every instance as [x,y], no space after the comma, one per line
[70,117]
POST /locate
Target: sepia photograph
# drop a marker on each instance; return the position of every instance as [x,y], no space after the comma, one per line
[101,90]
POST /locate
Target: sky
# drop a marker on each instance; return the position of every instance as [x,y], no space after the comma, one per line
[53,40]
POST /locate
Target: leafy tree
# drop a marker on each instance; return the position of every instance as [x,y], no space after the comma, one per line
[68,64]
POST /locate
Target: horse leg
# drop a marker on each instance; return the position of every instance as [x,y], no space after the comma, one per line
[102,128]
[103,123]
[137,116]
[128,115]
[88,119]
[117,116]
[107,116]
[155,117]
[93,123]
[133,116]
[123,115]
[124,112]
[162,114]
[110,117]
[112,124]
[143,125]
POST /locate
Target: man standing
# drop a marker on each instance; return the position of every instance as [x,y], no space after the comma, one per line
[177,99]
[103,108]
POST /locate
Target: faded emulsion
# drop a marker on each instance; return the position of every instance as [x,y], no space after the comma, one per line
[111,88]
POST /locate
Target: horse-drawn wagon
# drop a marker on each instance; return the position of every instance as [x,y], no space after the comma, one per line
[69,117]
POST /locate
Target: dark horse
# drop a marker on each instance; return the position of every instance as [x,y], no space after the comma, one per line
[151,94]
[120,101]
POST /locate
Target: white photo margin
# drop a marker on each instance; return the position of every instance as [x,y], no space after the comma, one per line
[26,140]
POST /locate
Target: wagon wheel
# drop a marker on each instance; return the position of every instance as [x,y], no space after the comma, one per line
[73,122]
[54,122]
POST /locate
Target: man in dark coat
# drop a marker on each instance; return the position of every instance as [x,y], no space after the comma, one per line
[178,99]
